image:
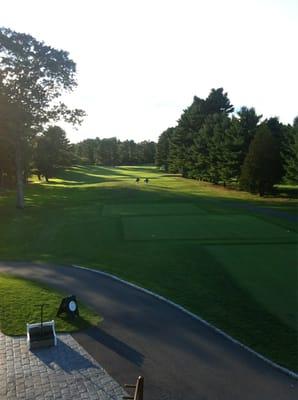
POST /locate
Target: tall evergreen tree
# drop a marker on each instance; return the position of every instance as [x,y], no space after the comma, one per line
[194,151]
[163,149]
[262,165]
[217,103]
[290,153]
[248,121]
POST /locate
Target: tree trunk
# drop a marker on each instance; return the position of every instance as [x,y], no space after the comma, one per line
[19,175]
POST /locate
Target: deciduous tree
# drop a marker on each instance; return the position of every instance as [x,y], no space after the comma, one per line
[52,150]
[32,77]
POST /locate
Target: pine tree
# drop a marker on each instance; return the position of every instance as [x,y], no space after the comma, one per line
[290,153]
[163,149]
[262,165]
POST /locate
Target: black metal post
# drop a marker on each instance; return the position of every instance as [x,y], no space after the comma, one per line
[41,316]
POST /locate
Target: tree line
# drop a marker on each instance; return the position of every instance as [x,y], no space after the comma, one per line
[111,151]
[33,76]
[212,143]
[50,149]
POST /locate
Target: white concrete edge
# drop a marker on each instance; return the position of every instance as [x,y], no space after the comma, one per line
[267,360]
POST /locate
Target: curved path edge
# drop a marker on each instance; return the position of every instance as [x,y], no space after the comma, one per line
[181,308]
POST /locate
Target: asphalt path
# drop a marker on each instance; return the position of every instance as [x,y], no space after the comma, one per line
[180,357]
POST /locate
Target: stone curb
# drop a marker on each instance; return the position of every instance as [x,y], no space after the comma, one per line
[267,360]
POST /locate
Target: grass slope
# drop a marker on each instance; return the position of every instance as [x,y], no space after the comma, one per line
[18,299]
[228,256]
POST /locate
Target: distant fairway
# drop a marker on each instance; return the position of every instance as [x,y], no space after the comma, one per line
[228,256]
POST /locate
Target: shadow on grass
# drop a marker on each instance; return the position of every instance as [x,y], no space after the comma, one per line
[96,170]
[201,284]
[205,287]
[238,313]
[287,191]
[49,196]
[79,323]
[101,170]
[54,208]
[82,175]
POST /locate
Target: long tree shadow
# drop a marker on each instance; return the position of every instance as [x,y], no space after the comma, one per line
[96,169]
[80,177]
[116,345]
[101,171]
[213,293]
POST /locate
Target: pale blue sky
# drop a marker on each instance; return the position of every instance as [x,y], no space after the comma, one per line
[140,62]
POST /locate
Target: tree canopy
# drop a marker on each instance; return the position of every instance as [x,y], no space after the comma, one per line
[262,164]
[33,76]
[52,150]
[111,151]
[210,142]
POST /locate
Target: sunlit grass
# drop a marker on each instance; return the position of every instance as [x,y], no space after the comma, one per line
[18,305]
[238,271]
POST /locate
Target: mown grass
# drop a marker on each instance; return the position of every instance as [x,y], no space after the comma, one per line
[18,300]
[205,228]
[228,256]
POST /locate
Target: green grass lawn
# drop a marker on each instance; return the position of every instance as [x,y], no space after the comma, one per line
[208,248]
[207,227]
[18,300]
[151,209]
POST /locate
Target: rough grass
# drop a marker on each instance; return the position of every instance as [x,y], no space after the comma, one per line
[242,278]
[18,300]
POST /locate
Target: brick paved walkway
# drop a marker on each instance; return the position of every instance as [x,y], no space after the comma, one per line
[61,373]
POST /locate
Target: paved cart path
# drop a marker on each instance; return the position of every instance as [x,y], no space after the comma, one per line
[180,357]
